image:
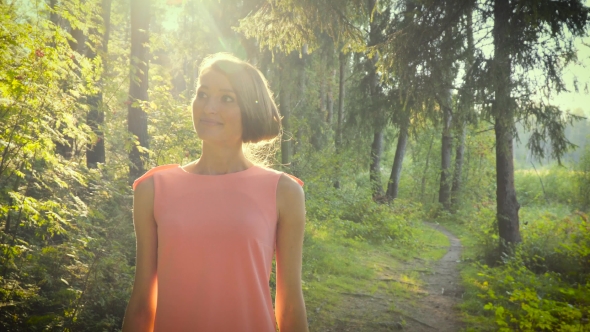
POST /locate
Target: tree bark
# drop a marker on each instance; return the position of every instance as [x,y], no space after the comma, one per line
[341,94]
[330,99]
[446,103]
[317,139]
[284,100]
[66,149]
[423,180]
[458,171]
[375,168]
[138,87]
[444,193]
[340,112]
[95,153]
[396,169]
[465,108]
[374,94]
[502,109]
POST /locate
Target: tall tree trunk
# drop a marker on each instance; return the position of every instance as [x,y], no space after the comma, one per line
[301,65]
[374,94]
[457,172]
[502,109]
[340,116]
[317,139]
[330,99]
[138,87]
[342,68]
[95,153]
[375,168]
[448,58]
[396,169]
[284,100]
[444,192]
[423,180]
[466,107]
[65,148]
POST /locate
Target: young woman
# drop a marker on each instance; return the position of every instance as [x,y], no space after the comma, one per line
[207,231]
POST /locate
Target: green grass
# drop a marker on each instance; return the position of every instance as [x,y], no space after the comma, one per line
[335,266]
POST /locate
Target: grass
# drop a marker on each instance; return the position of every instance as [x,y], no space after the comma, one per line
[338,268]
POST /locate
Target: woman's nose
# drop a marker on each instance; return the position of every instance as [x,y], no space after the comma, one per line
[211,105]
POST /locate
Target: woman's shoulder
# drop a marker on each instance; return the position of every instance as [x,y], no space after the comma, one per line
[283,176]
[151,172]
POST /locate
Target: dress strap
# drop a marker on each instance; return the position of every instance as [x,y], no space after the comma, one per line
[294,178]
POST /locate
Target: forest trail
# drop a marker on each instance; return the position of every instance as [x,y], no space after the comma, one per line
[423,299]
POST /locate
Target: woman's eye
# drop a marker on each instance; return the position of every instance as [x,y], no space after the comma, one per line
[201,95]
[227,99]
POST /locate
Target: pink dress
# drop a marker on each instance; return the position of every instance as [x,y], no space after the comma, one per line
[216,240]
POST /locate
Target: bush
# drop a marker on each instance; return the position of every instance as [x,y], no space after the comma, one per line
[544,285]
[377,222]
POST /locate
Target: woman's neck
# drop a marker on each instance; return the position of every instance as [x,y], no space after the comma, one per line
[218,160]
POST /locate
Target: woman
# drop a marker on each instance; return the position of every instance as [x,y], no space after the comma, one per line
[206,231]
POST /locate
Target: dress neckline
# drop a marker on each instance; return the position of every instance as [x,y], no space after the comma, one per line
[233,174]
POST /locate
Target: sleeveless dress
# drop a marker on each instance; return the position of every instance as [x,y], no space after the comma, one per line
[216,240]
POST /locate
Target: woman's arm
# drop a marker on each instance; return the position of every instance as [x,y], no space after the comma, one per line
[289,304]
[141,309]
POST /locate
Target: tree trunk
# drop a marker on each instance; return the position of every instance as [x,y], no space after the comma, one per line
[396,169]
[284,100]
[375,168]
[423,180]
[95,153]
[377,145]
[65,148]
[444,193]
[448,58]
[340,115]
[317,126]
[330,98]
[457,172]
[502,109]
[465,108]
[342,68]
[138,87]
[301,65]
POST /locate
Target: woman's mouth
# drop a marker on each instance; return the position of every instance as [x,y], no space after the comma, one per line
[209,122]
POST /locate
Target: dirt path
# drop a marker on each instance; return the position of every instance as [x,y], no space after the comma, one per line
[428,303]
[435,311]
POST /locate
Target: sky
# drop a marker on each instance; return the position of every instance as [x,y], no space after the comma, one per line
[581,99]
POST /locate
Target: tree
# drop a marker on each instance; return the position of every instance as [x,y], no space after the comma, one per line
[466,103]
[528,34]
[138,85]
[95,152]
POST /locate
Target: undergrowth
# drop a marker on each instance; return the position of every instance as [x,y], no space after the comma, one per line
[543,286]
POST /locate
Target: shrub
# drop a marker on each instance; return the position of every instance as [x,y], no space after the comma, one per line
[544,285]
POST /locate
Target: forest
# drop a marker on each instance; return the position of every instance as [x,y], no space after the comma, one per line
[408,120]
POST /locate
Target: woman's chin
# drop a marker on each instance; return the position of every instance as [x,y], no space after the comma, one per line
[219,139]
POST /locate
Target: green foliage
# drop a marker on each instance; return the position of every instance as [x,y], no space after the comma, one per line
[543,286]
[549,185]
[64,241]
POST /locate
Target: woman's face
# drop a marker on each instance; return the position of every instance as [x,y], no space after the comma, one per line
[216,114]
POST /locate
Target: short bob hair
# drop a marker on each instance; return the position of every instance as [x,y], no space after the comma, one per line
[260,116]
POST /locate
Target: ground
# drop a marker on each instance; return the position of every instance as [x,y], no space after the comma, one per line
[411,294]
